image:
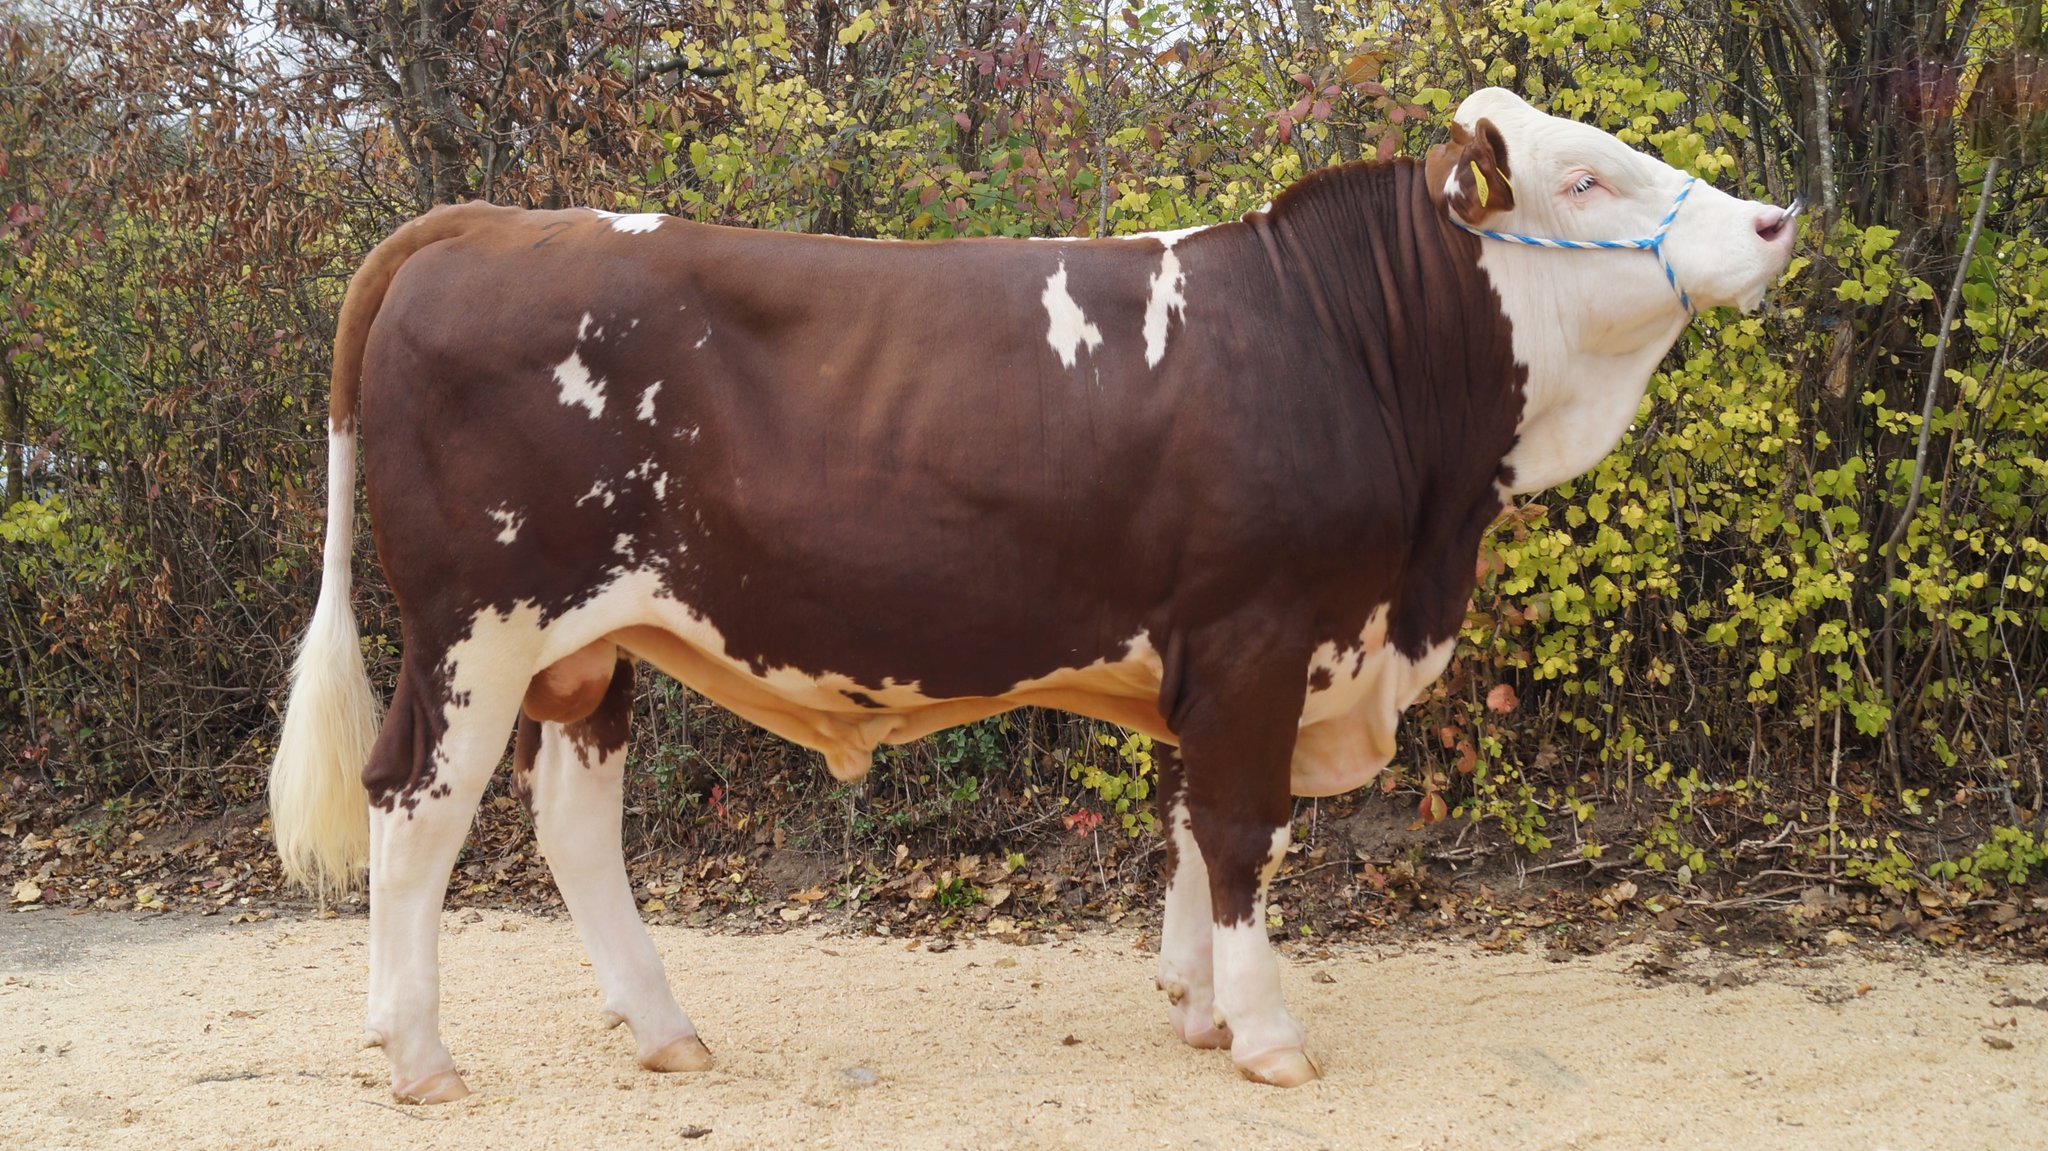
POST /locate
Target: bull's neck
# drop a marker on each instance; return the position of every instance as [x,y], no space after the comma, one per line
[1400,300]
[1580,395]
[1413,334]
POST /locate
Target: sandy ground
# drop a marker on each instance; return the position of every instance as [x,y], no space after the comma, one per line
[178,1032]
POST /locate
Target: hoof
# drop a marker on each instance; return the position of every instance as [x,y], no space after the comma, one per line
[685,1054]
[1197,1030]
[441,1087]
[1283,1067]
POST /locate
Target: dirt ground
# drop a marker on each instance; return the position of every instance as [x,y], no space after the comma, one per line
[178,1031]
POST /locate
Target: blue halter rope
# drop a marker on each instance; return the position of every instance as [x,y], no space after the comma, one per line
[1653,244]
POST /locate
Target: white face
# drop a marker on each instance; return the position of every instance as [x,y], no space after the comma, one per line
[1590,326]
[1576,182]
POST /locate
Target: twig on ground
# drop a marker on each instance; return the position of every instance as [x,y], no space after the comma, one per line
[1592,865]
[1747,900]
[400,1110]
[1294,875]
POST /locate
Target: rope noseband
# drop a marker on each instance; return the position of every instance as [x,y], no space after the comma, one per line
[1653,244]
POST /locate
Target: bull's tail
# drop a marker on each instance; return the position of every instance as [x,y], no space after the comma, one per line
[319,810]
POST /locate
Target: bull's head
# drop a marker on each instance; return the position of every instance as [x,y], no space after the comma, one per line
[1646,246]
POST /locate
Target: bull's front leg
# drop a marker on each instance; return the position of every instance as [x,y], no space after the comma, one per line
[1186,942]
[1237,727]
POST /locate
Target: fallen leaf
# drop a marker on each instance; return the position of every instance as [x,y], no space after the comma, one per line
[1502,699]
[694,1132]
[1069,1041]
[792,914]
[809,895]
[1997,1043]
[1619,894]
[27,891]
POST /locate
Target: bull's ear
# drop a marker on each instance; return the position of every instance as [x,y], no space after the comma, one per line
[1470,174]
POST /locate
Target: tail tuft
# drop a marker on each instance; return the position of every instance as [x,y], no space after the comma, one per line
[319,811]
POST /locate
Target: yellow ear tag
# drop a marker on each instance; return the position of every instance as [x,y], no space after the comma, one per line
[1479,182]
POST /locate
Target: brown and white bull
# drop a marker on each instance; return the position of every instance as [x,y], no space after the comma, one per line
[1224,486]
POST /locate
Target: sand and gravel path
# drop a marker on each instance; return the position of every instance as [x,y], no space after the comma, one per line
[181,1032]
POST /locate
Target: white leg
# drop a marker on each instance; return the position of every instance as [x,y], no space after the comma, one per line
[413,846]
[578,795]
[1266,1042]
[1185,943]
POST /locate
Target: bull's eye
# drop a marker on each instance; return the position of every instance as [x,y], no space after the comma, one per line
[1583,184]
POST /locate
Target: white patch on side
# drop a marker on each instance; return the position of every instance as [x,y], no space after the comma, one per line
[636,223]
[583,327]
[1165,300]
[579,387]
[646,411]
[509,523]
[661,487]
[701,339]
[623,545]
[599,490]
[1069,329]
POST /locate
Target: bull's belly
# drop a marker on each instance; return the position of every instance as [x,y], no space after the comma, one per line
[820,711]
[1346,732]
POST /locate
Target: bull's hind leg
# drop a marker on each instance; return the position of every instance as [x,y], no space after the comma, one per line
[425,780]
[1237,722]
[576,787]
[1187,938]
